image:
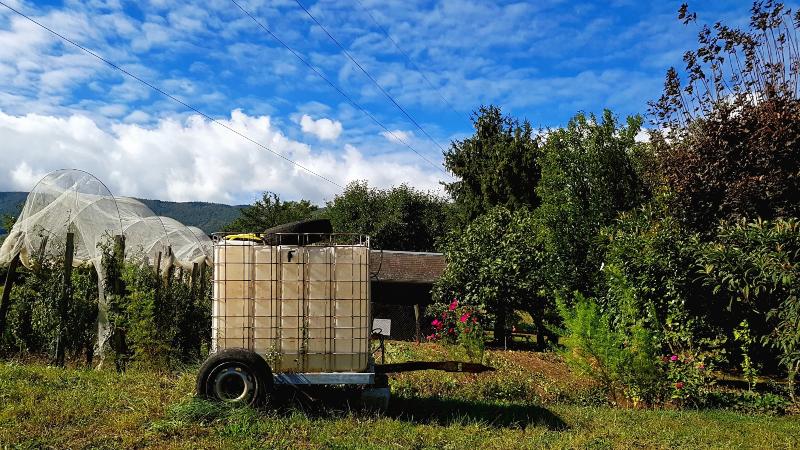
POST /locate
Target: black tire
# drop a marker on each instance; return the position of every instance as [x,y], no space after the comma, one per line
[235,375]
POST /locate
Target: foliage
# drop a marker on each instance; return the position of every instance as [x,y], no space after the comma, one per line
[649,275]
[624,361]
[588,177]
[496,166]
[496,265]
[460,328]
[689,377]
[746,340]
[729,137]
[400,218]
[269,211]
[755,265]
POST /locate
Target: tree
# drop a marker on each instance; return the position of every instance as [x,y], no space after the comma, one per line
[588,176]
[495,166]
[270,211]
[497,265]
[729,136]
[400,218]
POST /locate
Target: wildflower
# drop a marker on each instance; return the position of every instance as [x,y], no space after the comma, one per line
[454,305]
[464,317]
[673,358]
[679,385]
[436,323]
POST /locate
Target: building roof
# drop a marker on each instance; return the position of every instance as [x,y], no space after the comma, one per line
[406,267]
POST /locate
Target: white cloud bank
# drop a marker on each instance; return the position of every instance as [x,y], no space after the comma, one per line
[191,159]
[324,129]
[397,135]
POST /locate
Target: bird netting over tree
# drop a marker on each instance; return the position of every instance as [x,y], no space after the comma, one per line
[74,201]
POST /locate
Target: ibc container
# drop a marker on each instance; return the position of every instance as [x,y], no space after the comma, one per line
[305,308]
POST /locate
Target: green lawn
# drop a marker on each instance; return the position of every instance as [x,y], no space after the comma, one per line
[532,401]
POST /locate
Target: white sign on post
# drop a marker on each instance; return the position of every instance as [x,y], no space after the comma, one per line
[382,327]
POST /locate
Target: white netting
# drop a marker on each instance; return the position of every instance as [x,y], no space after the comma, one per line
[73,201]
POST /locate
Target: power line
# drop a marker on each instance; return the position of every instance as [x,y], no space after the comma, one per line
[375,82]
[410,61]
[166,94]
[335,87]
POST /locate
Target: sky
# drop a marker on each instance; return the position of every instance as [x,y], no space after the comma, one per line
[542,61]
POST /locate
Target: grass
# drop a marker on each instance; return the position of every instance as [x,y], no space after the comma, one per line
[531,401]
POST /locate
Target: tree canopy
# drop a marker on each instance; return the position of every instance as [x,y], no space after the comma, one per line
[494,166]
[269,211]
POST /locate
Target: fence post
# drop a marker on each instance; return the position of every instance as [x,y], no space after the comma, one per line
[11,276]
[66,295]
[119,258]
[417,321]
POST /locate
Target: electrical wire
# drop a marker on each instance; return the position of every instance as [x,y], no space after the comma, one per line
[375,82]
[168,95]
[337,88]
[410,61]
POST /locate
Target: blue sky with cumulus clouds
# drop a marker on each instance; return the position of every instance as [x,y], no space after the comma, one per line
[539,60]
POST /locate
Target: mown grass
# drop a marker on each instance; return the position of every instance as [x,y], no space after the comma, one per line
[527,403]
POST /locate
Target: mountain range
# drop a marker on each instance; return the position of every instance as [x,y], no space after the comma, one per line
[209,217]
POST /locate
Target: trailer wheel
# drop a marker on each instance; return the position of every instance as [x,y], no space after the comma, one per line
[235,375]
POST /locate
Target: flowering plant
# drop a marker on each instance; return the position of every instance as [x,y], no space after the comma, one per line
[688,377]
[460,328]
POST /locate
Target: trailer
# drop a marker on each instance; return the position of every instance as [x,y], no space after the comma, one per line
[294,309]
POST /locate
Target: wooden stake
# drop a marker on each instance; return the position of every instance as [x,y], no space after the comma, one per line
[66,296]
[11,276]
[417,318]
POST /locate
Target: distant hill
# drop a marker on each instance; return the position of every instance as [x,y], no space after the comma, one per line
[209,217]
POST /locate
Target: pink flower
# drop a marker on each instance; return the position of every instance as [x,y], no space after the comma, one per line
[436,323]
[464,317]
[454,305]
[679,385]
[451,331]
[474,319]
[431,337]
[673,358]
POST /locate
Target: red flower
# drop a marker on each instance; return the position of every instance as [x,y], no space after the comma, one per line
[451,331]
[436,323]
[464,317]
[679,385]
[454,305]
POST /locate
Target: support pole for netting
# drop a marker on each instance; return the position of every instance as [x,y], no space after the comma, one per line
[193,282]
[158,277]
[119,259]
[66,295]
[202,279]
[11,276]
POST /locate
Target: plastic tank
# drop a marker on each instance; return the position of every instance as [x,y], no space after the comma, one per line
[304,308]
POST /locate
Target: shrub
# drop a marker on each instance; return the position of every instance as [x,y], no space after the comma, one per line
[460,328]
[625,362]
[755,266]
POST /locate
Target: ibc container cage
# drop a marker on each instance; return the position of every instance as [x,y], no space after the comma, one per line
[302,301]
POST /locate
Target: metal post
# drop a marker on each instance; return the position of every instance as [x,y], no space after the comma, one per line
[66,295]
[11,276]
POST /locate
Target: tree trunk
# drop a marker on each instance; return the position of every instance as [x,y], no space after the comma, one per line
[500,326]
[6,300]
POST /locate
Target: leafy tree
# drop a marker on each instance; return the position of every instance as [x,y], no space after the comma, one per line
[400,218]
[589,175]
[728,135]
[495,166]
[497,264]
[270,211]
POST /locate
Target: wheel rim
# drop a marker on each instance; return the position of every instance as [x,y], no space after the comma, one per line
[233,383]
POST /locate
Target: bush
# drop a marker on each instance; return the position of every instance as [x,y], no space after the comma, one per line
[625,362]
[460,328]
[755,267]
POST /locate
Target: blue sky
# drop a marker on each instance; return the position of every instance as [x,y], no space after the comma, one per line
[542,60]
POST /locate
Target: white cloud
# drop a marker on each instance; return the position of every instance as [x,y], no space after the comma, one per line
[192,159]
[397,135]
[324,129]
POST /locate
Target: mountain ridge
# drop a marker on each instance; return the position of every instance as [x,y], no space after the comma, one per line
[209,217]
